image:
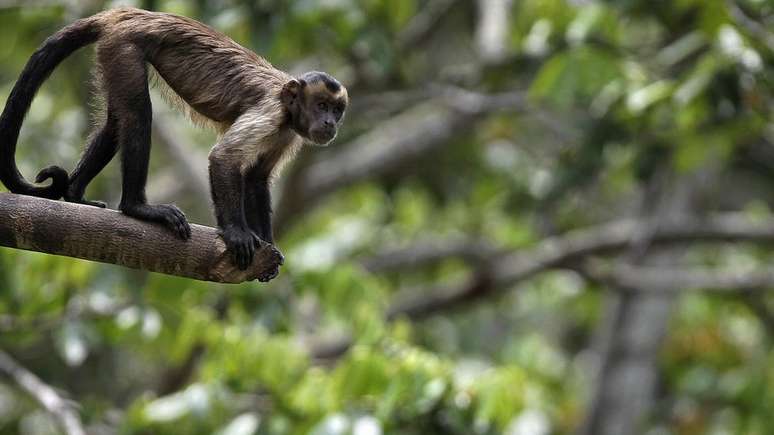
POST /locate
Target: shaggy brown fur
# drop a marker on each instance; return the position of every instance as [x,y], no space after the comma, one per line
[262,115]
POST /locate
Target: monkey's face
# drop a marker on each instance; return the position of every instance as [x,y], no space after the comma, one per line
[316,103]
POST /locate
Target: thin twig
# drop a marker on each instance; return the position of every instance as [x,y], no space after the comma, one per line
[60,408]
[423,23]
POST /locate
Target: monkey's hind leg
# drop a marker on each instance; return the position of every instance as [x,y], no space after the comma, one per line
[101,149]
[126,78]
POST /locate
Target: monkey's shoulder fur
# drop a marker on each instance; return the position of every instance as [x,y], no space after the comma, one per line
[262,115]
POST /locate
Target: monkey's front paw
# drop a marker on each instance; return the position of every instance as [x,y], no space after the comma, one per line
[241,244]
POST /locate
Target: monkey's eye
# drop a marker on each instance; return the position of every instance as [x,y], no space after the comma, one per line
[322,106]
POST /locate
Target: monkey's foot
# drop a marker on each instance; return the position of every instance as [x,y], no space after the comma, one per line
[272,273]
[77,198]
[165,214]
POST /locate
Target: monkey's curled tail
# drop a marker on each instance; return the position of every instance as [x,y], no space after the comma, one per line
[55,49]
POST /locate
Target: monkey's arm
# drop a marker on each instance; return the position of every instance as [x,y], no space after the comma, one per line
[258,210]
[229,161]
[258,203]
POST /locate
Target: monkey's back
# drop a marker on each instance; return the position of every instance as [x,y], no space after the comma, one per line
[213,74]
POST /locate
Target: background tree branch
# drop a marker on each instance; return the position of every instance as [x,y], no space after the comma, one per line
[564,250]
[487,207]
[190,163]
[670,279]
[59,407]
[387,146]
[497,270]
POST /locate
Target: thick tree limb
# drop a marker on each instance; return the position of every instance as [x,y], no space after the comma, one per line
[107,236]
[48,398]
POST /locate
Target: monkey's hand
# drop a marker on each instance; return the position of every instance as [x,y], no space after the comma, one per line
[241,243]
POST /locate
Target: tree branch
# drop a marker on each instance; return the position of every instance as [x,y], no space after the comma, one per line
[48,398]
[76,308]
[107,236]
[560,251]
[430,251]
[623,381]
[422,24]
[383,148]
[493,28]
[191,163]
[564,251]
[389,145]
[628,276]
[757,304]
[755,28]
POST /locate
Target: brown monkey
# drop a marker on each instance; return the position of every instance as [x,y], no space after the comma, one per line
[262,115]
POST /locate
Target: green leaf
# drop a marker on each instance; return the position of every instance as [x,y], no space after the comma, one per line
[575,76]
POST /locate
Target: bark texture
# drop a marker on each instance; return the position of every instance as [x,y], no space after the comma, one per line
[107,236]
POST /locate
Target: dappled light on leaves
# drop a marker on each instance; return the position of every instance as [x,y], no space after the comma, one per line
[558,224]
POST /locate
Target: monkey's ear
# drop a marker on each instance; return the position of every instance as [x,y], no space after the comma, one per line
[289,93]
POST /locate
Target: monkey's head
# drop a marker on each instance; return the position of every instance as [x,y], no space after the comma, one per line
[315,103]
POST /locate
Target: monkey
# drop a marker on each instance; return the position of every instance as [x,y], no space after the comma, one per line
[261,114]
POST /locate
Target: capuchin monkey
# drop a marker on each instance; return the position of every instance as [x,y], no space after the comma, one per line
[262,116]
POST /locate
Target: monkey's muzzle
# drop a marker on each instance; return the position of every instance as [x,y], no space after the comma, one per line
[323,136]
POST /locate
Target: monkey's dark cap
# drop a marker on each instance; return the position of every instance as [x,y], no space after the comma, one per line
[330,83]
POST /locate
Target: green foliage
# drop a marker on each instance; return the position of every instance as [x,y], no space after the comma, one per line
[576,75]
[619,93]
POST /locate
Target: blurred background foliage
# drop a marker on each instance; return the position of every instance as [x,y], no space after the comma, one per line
[476,129]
